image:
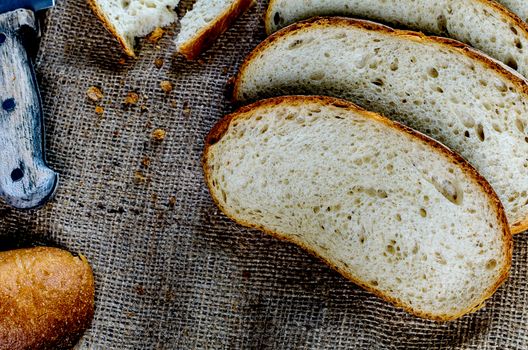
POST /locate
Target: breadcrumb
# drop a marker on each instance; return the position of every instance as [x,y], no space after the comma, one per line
[94,93]
[158,63]
[156,35]
[145,162]
[139,177]
[166,86]
[132,98]
[159,135]
[99,110]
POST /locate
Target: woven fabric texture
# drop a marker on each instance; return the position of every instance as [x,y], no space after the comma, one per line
[171,271]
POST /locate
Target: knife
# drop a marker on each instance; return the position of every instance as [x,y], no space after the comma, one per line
[26,182]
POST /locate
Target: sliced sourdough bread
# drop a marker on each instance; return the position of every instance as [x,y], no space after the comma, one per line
[483,24]
[208,19]
[389,208]
[447,90]
[520,7]
[128,19]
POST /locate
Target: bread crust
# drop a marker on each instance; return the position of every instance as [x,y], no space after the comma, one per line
[222,126]
[98,11]
[46,298]
[445,43]
[192,48]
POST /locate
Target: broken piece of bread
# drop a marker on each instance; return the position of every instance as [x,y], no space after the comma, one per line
[208,19]
[128,19]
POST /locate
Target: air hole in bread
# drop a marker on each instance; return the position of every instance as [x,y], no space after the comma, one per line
[382,194]
[518,43]
[491,264]
[318,75]
[502,87]
[514,30]
[394,65]
[512,63]
[433,72]
[442,24]
[277,19]
[480,133]
[519,124]
[440,258]
[448,189]
[496,127]
[295,44]
[423,213]
[377,82]
[398,217]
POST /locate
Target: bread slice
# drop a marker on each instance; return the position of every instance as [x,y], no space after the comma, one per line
[483,24]
[208,19]
[447,90]
[389,208]
[520,7]
[128,19]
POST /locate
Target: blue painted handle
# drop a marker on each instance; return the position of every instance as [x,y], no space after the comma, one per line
[25,180]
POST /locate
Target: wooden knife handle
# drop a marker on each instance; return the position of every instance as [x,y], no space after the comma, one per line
[25,180]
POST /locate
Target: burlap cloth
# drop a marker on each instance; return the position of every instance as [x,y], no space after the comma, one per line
[171,271]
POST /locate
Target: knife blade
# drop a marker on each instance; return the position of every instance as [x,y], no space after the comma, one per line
[35,5]
[26,182]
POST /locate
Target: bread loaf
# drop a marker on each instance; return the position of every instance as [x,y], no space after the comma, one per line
[46,298]
[443,88]
[389,208]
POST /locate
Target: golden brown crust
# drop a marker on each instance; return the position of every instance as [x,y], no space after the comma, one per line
[46,298]
[129,50]
[267,16]
[223,125]
[445,43]
[207,36]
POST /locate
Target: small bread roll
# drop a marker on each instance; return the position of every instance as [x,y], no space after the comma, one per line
[46,298]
